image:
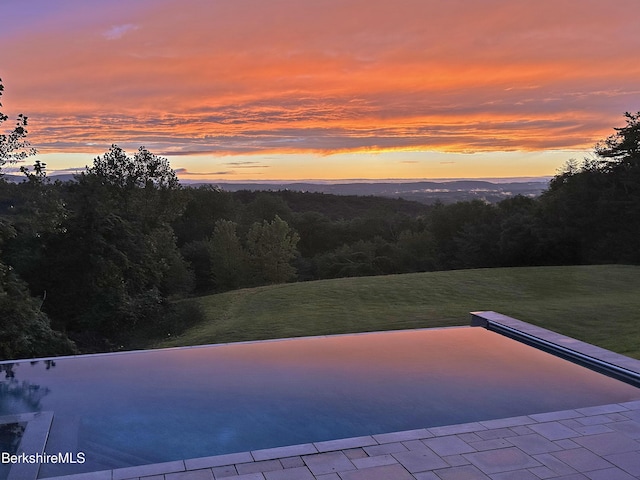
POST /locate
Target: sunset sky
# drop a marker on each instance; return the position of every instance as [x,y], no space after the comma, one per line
[322,89]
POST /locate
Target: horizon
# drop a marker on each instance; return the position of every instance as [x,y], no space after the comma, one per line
[248,90]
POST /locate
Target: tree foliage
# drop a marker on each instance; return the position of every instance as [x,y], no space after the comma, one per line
[143,170]
[271,247]
[14,146]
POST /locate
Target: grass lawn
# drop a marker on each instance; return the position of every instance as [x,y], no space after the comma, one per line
[596,304]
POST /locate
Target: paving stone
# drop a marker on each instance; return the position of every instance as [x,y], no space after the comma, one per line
[262,466]
[542,472]
[508,422]
[593,420]
[455,429]
[567,444]
[521,430]
[469,437]
[534,444]
[279,452]
[582,460]
[627,461]
[226,471]
[250,476]
[426,476]
[592,429]
[504,460]
[420,460]
[516,475]
[402,436]
[554,430]
[415,445]
[343,443]
[385,448]
[291,462]
[355,453]
[450,445]
[632,415]
[100,475]
[204,474]
[612,408]
[557,466]
[616,417]
[609,474]
[633,405]
[629,428]
[298,473]
[574,476]
[455,460]
[147,470]
[328,476]
[466,472]
[384,472]
[374,461]
[555,416]
[218,460]
[328,463]
[495,433]
[493,444]
[608,443]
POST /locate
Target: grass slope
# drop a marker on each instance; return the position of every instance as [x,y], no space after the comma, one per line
[597,304]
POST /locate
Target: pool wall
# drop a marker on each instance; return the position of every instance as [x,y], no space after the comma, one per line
[599,359]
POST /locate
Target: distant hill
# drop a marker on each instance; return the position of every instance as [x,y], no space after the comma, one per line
[427,192]
[423,191]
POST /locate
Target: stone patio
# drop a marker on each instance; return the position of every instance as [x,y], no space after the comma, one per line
[597,443]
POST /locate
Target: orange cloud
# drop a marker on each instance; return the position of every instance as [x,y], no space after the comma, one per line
[192,76]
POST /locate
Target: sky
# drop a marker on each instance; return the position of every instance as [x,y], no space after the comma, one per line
[233,90]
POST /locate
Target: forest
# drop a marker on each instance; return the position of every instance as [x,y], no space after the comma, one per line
[86,265]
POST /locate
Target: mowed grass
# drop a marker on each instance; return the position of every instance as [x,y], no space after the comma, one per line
[596,304]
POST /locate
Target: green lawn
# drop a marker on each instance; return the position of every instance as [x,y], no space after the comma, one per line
[597,304]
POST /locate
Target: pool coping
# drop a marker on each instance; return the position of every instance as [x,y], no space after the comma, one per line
[374,455]
[33,441]
[618,366]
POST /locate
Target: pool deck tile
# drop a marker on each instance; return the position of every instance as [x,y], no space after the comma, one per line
[329,462]
[148,470]
[259,466]
[280,452]
[297,473]
[449,445]
[206,474]
[218,460]
[402,436]
[344,443]
[554,430]
[465,472]
[383,472]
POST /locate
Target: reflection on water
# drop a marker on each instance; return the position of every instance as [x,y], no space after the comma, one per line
[136,408]
[20,396]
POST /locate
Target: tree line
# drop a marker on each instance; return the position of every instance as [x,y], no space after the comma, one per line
[95,263]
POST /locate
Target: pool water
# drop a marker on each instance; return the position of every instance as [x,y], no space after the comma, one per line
[155,406]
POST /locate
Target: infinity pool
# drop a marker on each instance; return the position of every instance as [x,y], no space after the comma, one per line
[155,406]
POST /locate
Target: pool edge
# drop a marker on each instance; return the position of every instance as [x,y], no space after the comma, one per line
[604,361]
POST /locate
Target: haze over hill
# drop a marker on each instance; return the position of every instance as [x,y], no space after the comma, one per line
[423,191]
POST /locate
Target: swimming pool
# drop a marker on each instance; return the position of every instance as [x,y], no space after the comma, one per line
[146,407]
